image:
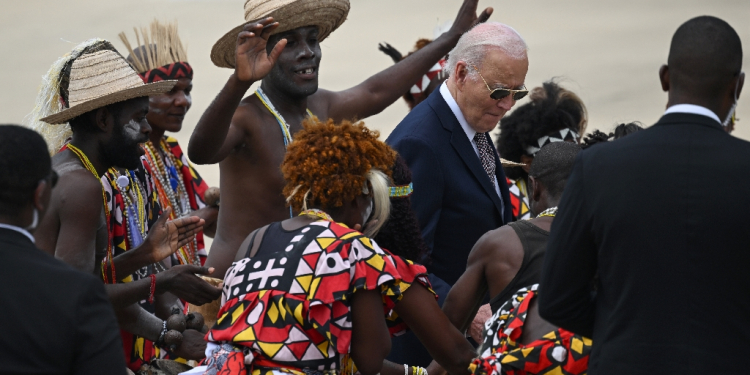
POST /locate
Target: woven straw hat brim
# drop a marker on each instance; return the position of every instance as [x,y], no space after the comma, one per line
[328,15]
[116,97]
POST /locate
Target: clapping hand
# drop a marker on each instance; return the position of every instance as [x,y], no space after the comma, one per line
[252,62]
[165,237]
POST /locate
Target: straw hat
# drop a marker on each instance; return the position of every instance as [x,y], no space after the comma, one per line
[328,15]
[102,78]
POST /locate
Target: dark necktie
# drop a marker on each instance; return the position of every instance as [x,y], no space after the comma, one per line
[486,155]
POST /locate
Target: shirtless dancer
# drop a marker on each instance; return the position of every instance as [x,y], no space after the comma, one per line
[108,124]
[245,137]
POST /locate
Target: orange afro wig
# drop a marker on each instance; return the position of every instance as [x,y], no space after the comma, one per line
[328,164]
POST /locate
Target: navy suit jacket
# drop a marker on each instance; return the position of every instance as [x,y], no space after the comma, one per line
[454,199]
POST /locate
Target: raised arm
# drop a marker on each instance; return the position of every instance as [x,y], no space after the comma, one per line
[381,90]
[570,262]
[217,131]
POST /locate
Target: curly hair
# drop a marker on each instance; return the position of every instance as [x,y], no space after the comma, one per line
[552,108]
[620,131]
[328,164]
[401,234]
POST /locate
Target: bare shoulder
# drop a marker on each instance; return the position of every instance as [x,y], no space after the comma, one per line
[498,245]
[77,189]
[320,103]
[249,113]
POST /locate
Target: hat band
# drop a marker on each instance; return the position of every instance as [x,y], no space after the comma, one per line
[168,72]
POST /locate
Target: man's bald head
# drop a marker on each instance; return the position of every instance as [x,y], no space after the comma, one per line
[705,57]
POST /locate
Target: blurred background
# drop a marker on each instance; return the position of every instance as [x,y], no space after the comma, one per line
[609,52]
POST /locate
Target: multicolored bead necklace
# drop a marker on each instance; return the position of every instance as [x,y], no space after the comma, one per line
[171,191]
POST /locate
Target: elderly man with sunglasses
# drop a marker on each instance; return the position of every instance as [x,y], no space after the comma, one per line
[459,190]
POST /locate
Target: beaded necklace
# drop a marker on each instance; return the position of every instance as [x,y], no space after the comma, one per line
[550,212]
[285,129]
[314,212]
[90,167]
[172,192]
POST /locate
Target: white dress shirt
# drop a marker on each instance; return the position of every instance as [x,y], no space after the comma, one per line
[19,230]
[470,132]
[694,109]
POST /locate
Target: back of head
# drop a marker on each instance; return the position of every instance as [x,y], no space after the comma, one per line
[472,46]
[552,109]
[552,166]
[330,164]
[401,234]
[24,161]
[704,57]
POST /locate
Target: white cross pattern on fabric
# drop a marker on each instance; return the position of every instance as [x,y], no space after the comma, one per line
[266,274]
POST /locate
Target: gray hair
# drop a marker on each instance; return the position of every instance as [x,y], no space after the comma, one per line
[472,46]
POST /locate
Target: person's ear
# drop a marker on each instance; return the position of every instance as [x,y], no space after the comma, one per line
[461,72]
[39,202]
[740,84]
[664,77]
[536,192]
[102,118]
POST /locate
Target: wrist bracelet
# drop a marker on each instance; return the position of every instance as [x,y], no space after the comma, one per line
[160,341]
[152,290]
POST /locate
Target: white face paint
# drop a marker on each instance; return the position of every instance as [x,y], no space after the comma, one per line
[132,130]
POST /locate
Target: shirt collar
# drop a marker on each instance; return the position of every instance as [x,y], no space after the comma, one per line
[448,97]
[694,109]
[19,230]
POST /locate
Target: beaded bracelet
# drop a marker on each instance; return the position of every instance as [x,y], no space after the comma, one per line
[152,290]
[160,342]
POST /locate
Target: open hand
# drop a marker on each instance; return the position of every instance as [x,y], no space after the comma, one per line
[165,237]
[467,17]
[391,51]
[183,283]
[193,345]
[252,62]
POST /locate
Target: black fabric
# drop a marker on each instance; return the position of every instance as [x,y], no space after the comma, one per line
[534,242]
[274,239]
[53,319]
[661,216]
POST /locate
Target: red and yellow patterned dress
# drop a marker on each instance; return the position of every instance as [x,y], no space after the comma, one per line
[289,311]
[559,352]
[519,199]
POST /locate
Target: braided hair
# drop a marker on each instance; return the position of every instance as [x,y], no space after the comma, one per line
[551,109]
[401,234]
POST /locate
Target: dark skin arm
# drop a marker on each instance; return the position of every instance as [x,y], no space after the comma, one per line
[210,215]
[180,281]
[381,90]
[422,314]
[493,262]
[219,129]
[371,341]
[80,219]
[391,51]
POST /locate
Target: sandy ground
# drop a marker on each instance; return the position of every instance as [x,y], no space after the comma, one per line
[609,52]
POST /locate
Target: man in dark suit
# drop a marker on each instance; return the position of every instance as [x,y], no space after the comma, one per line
[459,187]
[53,319]
[648,254]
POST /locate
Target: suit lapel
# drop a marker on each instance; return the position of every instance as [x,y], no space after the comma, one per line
[465,150]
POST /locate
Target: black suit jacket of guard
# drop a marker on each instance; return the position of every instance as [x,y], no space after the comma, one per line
[53,318]
[663,217]
[454,199]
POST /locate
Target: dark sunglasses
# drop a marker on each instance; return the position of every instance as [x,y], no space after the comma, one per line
[498,94]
